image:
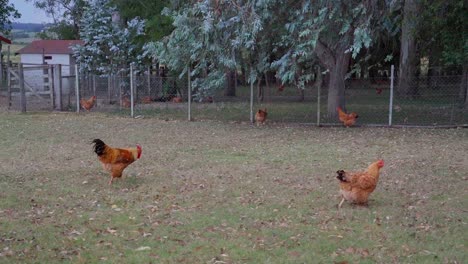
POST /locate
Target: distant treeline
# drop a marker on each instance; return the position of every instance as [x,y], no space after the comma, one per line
[31,27]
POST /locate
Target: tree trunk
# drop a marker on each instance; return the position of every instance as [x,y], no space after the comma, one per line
[259,89]
[337,62]
[336,86]
[267,84]
[230,88]
[301,94]
[408,58]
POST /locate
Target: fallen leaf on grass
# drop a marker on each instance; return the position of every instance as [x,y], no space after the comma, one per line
[142,248]
[294,254]
[111,230]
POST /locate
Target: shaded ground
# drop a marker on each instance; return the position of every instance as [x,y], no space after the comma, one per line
[215,191]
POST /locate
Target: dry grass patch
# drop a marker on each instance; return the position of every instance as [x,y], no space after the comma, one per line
[212,191]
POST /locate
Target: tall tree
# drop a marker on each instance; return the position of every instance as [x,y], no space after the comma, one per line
[109,46]
[157,24]
[218,35]
[329,32]
[203,39]
[66,15]
[443,37]
[7,13]
[408,51]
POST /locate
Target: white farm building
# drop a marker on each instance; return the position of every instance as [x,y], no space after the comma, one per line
[52,52]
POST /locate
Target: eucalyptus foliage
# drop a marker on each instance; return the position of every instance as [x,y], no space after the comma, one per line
[109,46]
[289,37]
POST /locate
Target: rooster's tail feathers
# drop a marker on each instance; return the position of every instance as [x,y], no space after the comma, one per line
[99,146]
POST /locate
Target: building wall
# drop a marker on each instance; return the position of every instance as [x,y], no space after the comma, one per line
[34,75]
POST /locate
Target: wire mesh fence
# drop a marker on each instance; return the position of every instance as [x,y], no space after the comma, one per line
[426,101]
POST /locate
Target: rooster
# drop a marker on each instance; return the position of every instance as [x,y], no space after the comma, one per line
[260,116]
[347,119]
[88,104]
[356,187]
[115,160]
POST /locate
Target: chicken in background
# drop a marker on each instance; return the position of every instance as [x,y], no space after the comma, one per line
[281,88]
[347,119]
[176,99]
[147,100]
[261,116]
[88,104]
[126,102]
[208,99]
[356,187]
[115,160]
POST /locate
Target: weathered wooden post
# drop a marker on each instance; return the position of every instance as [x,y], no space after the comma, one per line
[58,87]
[50,77]
[21,86]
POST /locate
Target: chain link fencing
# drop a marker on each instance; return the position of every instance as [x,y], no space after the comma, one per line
[425,101]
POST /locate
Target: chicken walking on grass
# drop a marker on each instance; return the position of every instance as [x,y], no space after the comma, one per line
[347,119]
[88,104]
[356,187]
[261,116]
[115,160]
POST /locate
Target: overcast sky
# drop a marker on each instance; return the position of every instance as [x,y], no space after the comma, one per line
[29,13]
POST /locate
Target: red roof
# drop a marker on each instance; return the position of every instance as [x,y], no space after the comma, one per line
[5,40]
[50,47]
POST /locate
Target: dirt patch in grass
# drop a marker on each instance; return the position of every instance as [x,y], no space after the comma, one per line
[212,191]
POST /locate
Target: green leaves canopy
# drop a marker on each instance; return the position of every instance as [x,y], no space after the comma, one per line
[215,36]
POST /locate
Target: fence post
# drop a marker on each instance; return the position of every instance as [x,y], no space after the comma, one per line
[131,91]
[109,88]
[9,77]
[390,107]
[50,77]
[94,84]
[149,81]
[21,86]
[58,87]
[1,69]
[251,96]
[189,99]
[318,103]
[77,88]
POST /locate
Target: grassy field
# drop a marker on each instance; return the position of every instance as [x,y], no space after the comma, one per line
[18,43]
[218,192]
